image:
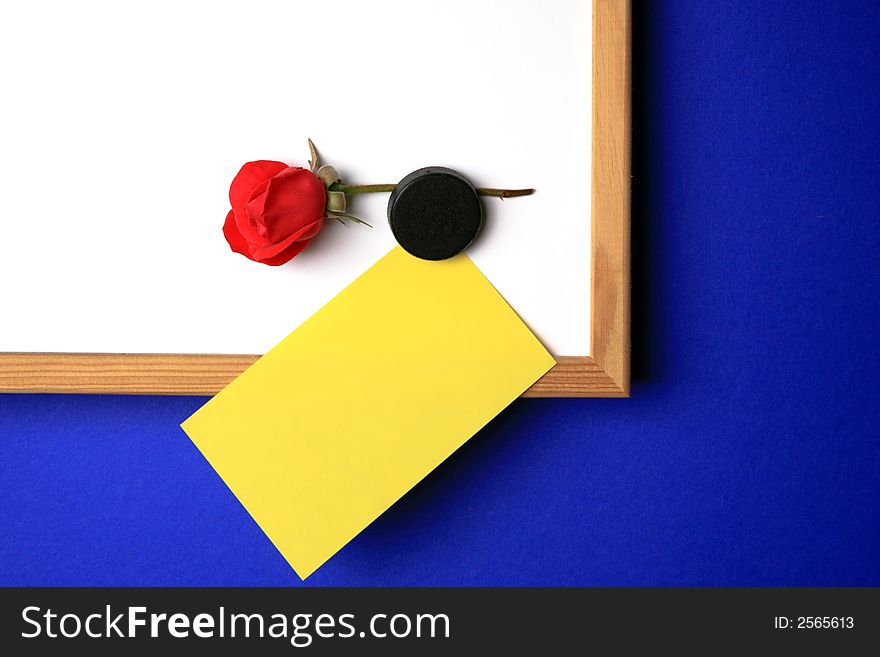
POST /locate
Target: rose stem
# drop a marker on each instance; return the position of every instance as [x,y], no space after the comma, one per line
[504,193]
[482,191]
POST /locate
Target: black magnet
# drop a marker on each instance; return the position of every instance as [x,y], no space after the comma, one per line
[435,213]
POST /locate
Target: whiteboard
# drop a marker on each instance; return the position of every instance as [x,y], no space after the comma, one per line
[123,124]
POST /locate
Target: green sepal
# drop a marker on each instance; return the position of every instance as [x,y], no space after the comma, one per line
[342,217]
[336,202]
[313,153]
[329,175]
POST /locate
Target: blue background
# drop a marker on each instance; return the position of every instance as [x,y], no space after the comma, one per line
[749,451]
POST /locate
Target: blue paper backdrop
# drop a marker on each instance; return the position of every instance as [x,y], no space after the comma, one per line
[748,453]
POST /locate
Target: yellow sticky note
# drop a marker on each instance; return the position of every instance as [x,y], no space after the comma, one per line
[335,424]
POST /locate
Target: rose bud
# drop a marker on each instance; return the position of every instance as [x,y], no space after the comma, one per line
[276,210]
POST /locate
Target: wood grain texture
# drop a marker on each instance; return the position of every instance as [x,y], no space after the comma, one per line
[605,373]
[610,264]
[138,374]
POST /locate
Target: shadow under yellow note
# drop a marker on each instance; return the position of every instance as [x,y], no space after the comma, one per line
[351,410]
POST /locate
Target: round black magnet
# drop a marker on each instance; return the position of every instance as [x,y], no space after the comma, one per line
[435,213]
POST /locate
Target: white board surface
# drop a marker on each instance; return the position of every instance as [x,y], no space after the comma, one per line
[123,123]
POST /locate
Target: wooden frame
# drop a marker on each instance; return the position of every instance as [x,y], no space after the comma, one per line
[604,373]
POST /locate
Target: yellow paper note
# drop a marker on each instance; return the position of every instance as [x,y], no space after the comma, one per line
[335,424]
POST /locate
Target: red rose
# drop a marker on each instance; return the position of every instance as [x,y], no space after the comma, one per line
[276,210]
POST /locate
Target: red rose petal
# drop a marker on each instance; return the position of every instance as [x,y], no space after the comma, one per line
[287,255]
[249,177]
[238,243]
[250,220]
[252,216]
[305,233]
[294,198]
